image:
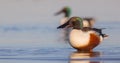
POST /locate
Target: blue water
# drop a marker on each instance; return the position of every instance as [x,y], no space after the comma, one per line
[37,43]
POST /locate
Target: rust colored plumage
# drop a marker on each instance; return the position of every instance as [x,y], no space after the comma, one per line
[94,41]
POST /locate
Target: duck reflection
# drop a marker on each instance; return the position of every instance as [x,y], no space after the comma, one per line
[84,57]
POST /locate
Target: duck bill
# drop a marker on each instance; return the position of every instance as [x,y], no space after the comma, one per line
[64,25]
[59,12]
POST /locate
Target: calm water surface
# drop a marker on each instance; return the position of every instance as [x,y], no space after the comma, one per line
[43,44]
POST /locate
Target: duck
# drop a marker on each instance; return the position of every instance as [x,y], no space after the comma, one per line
[87,21]
[83,38]
[64,32]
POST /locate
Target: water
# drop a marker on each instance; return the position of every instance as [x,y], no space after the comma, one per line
[38,43]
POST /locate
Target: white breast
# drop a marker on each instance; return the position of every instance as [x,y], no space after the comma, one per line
[79,38]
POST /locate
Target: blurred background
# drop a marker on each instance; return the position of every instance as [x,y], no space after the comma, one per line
[40,11]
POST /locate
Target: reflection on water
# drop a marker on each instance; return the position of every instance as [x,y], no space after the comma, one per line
[84,57]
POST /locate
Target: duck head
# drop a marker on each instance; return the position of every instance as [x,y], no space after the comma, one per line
[75,22]
[66,10]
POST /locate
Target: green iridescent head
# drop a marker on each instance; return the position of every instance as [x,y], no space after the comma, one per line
[76,22]
[67,11]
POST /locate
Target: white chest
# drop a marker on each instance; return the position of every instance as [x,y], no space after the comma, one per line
[79,38]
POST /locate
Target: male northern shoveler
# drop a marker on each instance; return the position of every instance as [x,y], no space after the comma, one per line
[65,32]
[83,38]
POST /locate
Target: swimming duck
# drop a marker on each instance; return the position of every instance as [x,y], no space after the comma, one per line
[83,38]
[87,21]
[64,32]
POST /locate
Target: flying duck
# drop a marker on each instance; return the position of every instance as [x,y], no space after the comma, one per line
[83,38]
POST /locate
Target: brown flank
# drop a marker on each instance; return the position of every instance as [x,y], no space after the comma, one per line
[94,41]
